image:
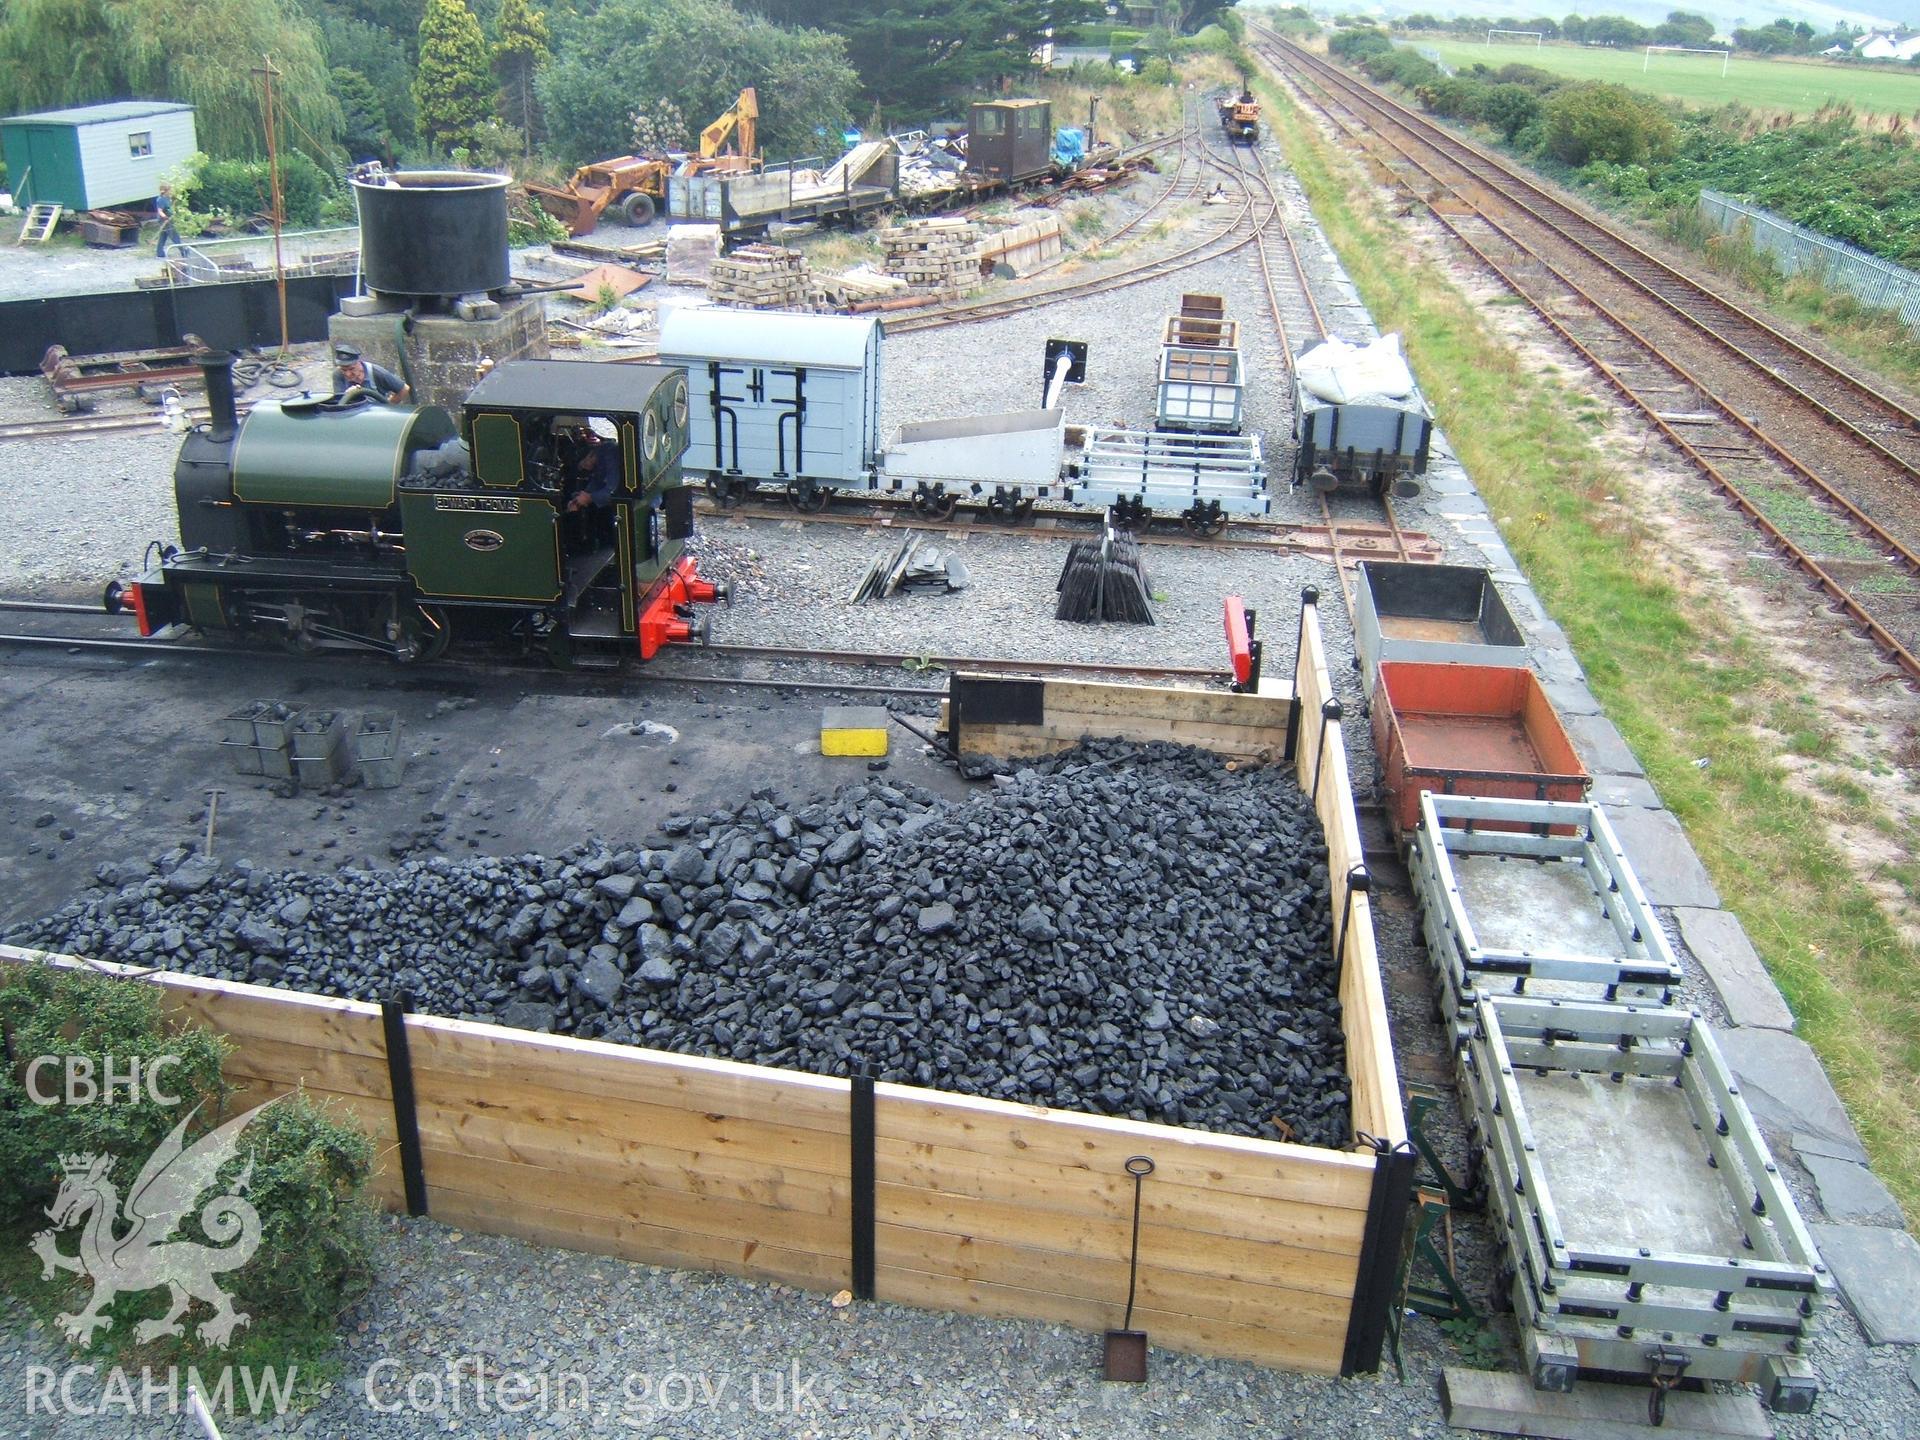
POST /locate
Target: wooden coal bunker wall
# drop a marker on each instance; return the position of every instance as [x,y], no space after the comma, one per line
[1274,1253]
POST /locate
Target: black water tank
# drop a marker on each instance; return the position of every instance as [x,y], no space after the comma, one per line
[434,232]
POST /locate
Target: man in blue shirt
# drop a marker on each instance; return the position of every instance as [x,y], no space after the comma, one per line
[593,476]
[350,370]
[163,207]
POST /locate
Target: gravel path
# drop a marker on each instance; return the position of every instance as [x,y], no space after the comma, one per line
[641,1340]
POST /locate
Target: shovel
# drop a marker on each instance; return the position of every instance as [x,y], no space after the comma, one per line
[1126,1357]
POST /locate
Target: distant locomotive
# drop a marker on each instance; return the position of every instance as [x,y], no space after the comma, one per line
[1240,118]
[346,524]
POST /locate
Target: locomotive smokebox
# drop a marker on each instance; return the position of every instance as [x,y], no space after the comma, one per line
[434,234]
[216,368]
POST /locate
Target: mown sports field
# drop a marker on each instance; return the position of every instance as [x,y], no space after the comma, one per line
[1799,87]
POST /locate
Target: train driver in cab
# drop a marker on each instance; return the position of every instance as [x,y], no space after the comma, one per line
[351,370]
[593,472]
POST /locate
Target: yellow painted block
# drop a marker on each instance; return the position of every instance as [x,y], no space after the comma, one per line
[853,730]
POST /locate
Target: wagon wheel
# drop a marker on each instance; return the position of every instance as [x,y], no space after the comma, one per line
[1205,522]
[807,497]
[1503,1277]
[425,635]
[935,504]
[724,491]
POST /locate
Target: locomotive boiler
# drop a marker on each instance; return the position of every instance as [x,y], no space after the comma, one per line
[553,513]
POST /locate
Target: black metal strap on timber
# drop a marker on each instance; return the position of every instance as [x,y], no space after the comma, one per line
[1375,1288]
[406,1119]
[861,1177]
[1309,597]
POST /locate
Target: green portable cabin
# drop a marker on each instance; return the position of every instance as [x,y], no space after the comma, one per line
[94,157]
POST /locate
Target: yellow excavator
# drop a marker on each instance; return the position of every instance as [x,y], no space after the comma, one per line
[634,187]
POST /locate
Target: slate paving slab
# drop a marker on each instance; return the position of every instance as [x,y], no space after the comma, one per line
[1852,1194]
[1601,745]
[1626,791]
[1787,1090]
[1878,1270]
[1721,946]
[1571,697]
[1669,871]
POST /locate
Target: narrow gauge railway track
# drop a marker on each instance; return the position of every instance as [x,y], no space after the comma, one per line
[153,421]
[1355,540]
[772,654]
[1299,321]
[1239,231]
[1768,422]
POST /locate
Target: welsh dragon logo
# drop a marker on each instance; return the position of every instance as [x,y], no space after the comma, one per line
[143,1255]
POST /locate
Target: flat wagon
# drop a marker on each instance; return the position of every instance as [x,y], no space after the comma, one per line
[1644,1225]
[862,182]
[1531,897]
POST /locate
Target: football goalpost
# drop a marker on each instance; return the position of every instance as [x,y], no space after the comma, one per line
[1725,55]
[1517,35]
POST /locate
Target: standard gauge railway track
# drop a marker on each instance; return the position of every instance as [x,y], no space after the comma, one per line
[1822,463]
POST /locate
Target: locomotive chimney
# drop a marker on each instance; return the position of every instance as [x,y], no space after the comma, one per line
[217,368]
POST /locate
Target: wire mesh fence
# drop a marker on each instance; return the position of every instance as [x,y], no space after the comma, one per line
[1799,251]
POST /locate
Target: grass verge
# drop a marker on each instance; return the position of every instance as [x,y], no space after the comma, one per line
[1681,679]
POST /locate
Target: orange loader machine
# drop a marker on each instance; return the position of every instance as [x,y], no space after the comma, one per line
[634,187]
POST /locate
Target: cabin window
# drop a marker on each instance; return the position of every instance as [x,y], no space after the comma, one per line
[140,144]
[993,122]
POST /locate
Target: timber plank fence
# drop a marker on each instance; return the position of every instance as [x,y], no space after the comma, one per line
[1276,1253]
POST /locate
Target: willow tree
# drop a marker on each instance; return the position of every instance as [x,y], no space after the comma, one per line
[205,53]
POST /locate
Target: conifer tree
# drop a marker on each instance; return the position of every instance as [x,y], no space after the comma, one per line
[518,55]
[452,86]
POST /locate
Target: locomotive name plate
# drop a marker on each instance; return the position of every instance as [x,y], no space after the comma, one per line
[487,504]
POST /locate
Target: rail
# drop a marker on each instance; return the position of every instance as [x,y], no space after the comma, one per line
[1499,199]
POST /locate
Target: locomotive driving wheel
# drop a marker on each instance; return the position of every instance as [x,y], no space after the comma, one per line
[424,635]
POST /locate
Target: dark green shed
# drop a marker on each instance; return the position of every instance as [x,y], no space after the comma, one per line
[95,156]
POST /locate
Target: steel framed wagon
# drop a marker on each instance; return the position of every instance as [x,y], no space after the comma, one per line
[1201,390]
[1535,897]
[1203,479]
[1644,1225]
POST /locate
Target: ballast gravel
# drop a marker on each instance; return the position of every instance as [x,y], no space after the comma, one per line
[1117,929]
